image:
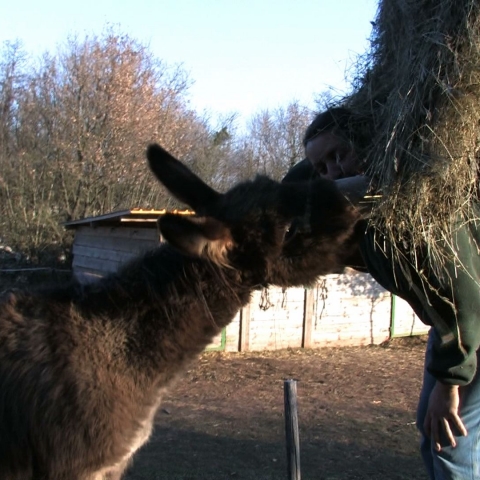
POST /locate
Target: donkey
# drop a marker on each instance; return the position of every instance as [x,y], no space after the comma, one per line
[83,367]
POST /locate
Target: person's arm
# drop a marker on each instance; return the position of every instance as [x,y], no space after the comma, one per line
[454,359]
[457,306]
[455,315]
[354,188]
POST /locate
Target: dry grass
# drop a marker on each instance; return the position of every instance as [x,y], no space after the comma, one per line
[416,107]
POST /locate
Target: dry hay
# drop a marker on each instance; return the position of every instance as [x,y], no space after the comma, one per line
[416,110]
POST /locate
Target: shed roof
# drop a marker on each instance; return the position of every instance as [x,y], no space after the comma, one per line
[139,216]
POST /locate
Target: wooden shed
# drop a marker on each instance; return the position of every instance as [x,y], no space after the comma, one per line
[104,242]
[342,309]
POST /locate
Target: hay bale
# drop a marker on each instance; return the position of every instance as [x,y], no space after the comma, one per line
[416,105]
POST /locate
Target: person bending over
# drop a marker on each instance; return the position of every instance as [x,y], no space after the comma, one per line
[448,413]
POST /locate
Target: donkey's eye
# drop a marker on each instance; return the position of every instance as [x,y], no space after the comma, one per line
[290,231]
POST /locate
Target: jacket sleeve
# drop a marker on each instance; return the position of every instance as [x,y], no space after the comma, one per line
[454,359]
[450,304]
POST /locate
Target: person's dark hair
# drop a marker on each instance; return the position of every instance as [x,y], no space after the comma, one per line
[336,119]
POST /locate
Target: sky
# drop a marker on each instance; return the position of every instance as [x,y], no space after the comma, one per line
[243,56]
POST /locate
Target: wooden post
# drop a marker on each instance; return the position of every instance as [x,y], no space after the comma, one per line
[291,429]
[308,315]
[244,341]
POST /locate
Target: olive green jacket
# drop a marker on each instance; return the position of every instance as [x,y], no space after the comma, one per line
[451,304]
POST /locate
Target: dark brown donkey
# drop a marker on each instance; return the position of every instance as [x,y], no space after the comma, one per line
[83,367]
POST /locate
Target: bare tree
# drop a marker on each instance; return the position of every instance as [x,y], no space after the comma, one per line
[74,125]
[81,121]
[273,142]
[12,63]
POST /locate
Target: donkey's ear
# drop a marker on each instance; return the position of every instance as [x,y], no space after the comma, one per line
[193,235]
[179,180]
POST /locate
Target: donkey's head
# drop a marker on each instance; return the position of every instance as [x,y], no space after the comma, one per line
[272,233]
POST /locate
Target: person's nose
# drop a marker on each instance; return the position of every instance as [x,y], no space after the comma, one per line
[335,170]
[329,170]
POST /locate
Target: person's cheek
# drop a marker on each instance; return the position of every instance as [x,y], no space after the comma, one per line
[350,165]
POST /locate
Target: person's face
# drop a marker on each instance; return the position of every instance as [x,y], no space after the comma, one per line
[332,156]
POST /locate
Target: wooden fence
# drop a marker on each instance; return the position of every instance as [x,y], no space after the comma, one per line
[343,309]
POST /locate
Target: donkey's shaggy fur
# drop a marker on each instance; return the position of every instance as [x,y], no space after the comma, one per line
[83,367]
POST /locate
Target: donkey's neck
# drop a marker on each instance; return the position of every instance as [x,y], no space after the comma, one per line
[164,277]
[170,304]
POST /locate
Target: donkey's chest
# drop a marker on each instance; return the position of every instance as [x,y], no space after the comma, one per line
[128,435]
[143,428]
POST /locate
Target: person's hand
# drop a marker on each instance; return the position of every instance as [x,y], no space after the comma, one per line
[442,415]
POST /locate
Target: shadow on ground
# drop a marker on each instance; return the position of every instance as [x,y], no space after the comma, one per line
[185,455]
[224,418]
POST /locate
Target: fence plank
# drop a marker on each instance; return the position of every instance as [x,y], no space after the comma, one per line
[244,343]
[308,317]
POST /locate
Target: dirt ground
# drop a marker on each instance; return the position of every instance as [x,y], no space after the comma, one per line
[224,419]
